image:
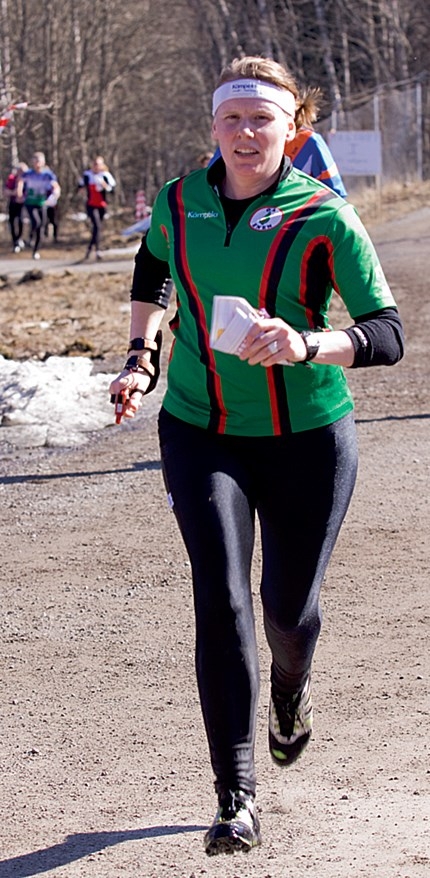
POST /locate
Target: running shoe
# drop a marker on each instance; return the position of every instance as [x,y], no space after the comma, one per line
[236,826]
[290,725]
[36,255]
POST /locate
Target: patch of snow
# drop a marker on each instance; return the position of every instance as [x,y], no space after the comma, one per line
[52,403]
[121,251]
[79,217]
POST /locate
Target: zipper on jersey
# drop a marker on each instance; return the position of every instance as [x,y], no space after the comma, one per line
[231,226]
[228,231]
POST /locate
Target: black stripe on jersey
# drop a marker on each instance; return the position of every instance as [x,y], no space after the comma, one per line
[318,278]
[285,242]
[282,406]
[175,202]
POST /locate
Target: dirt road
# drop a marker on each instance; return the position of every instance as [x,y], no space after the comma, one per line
[104,767]
[115,260]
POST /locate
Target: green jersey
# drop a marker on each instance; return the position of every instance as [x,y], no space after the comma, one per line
[38,186]
[293,247]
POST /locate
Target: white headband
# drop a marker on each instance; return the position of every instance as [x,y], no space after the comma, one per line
[254,88]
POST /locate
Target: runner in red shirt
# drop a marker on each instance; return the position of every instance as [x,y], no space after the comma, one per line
[15,204]
[98,181]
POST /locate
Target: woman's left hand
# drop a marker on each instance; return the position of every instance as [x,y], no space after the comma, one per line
[272,341]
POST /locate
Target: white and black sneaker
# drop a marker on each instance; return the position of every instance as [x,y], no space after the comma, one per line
[236,826]
[290,725]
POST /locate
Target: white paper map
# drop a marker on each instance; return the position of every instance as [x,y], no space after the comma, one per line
[232,318]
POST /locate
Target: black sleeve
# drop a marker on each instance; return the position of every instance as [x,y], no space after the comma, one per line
[82,182]
[378,338]
[151,279]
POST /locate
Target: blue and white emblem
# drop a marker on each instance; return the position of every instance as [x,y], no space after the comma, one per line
[266,218]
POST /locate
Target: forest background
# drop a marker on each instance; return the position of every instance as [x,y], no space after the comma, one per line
[133,80]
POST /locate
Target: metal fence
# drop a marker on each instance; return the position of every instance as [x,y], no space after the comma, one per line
[402,115]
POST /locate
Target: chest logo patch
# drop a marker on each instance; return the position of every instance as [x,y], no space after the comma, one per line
[266,218]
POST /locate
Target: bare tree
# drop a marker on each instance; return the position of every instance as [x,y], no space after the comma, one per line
[6,76]
[134,81]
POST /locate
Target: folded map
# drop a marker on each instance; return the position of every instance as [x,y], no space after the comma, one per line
[232,318]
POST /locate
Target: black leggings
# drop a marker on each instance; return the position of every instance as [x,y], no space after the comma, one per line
[300,487]
[96,215]
[37,216]
[15,221]
[51,219]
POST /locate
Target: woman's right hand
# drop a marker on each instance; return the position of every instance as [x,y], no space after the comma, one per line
[132,386]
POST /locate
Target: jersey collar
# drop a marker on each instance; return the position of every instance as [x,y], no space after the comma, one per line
[216,173]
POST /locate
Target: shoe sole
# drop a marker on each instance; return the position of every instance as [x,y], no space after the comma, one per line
[229,844]
[227,839]
[288,756]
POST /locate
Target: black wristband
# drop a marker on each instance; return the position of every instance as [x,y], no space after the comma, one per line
[140,364]
[145,366]
[142,344]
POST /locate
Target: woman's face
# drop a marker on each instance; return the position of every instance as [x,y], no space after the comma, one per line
[252,133]
[38,162]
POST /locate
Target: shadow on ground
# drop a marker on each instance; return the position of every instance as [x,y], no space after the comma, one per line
[80,845]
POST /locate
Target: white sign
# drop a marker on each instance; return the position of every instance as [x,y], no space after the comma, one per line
[357,153]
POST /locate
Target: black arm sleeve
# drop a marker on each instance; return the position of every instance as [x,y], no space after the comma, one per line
[151,279]
[378,338]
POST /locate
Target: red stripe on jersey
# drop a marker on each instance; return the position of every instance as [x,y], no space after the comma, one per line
[276,421]
[171,350]
[202,324]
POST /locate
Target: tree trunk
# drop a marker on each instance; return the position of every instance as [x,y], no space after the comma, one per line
[334,90]
[6,78]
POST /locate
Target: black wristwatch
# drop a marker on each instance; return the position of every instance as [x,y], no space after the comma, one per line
[312,342]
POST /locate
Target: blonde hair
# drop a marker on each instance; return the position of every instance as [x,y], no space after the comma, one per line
[100,160]
[204,158]
[268,70]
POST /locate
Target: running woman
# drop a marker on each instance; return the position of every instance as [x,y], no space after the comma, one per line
[39,183]
[97,181]
[267,435]
[13,193]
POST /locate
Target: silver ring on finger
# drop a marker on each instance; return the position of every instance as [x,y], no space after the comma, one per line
[273,347]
